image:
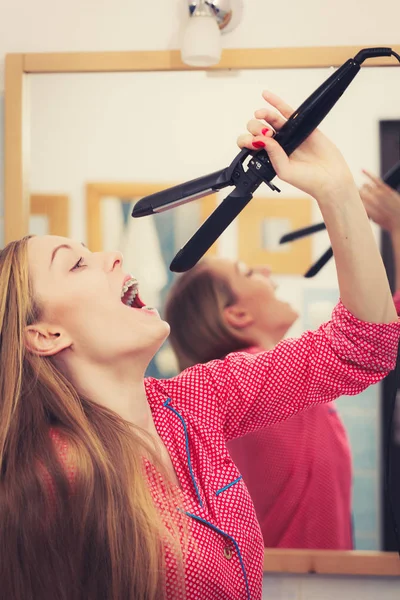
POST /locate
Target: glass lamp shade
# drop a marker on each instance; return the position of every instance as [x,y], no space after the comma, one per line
[201,45]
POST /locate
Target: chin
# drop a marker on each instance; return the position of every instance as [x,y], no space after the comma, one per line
[167,329]
[162,333]
[291,317]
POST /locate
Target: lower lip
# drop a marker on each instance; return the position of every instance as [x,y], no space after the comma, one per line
[149,311]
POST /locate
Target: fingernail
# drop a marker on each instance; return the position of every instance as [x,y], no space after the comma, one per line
[265,131]
[258,144]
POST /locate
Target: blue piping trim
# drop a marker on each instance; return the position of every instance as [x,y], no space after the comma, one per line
[226,487]
[182,420]
[196,518]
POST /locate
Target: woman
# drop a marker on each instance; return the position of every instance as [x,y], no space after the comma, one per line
[113,486]
[298,472]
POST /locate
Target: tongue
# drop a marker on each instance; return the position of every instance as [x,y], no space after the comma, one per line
[137,303]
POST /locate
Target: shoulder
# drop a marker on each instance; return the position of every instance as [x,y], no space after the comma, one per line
[199,385]
[192,390]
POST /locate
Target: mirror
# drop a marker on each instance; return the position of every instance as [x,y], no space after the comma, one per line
[150,128]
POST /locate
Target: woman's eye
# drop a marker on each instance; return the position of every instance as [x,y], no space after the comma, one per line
[249,273]
[79,264]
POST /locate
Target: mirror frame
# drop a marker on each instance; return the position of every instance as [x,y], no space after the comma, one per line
[18,68]
[56,208]
[97,191]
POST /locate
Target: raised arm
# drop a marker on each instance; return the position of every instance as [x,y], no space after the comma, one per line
[382,204]
[245,392]
[318,168]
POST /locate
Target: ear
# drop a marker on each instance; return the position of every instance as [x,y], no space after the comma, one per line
[43,340]
[238,317]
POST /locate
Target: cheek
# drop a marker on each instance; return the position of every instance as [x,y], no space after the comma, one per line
[263,292]
[68,307]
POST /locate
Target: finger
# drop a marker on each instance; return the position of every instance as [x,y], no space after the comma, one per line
[376,180]
[371,189]
[278,103]
[367,200]
[367,197]
[278,157]
[271,117]
[257,128]
[246,140]
[373,214]
[372,207]
[252,142]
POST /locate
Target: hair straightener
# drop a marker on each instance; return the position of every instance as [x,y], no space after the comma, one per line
[247,175]
[392,178]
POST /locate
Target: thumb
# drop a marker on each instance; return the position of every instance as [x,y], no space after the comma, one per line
[277,156]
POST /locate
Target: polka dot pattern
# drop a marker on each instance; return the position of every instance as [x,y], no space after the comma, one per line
[199,411]
[226,399]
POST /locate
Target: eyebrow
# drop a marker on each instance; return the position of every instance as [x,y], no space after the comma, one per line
[60,247]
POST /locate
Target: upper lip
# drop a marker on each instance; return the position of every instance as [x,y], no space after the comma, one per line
[127,278]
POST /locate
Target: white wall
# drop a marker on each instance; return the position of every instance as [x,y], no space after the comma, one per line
[45,25]
[54,25]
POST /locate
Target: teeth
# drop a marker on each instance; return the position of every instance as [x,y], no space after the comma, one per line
[130,283]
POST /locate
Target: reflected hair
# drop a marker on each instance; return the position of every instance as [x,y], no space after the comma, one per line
[194,310]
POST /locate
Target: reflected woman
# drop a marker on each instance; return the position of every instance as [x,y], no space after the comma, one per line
[298,472]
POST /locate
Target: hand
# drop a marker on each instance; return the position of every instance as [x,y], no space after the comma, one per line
[381,202]
[316,167]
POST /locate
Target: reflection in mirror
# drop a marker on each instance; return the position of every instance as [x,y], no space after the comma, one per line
[171,127]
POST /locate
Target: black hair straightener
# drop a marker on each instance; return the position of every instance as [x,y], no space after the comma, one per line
[247,175]
[392,178]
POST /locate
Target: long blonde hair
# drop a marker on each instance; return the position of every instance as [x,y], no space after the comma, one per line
[77,518]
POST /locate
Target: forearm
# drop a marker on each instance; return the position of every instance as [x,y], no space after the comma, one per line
[395,235]
[364,288]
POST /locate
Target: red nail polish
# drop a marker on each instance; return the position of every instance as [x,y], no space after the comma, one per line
[259,144]
[265,131]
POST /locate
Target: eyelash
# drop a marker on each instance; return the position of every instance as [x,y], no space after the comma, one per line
[78,264]
[249,273]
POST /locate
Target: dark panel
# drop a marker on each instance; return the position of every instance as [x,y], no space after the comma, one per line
[389,155]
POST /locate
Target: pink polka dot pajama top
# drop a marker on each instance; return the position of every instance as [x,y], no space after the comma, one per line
[200,410]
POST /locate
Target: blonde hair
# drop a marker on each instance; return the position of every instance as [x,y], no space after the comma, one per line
[77,518]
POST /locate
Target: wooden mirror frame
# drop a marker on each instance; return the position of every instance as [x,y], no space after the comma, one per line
[56,208]
[97,191]
[17,201]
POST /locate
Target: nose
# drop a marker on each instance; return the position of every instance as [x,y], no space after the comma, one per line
[113,260]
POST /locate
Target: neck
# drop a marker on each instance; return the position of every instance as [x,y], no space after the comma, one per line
[268,340]
[118,388]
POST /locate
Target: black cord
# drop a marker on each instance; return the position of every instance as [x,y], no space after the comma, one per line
[396,55]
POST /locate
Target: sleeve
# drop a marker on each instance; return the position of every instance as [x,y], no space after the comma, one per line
[252,391]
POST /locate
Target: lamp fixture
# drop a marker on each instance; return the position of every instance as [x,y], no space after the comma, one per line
[220,9]
[201,44]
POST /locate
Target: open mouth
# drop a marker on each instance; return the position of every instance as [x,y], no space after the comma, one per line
[129,294]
